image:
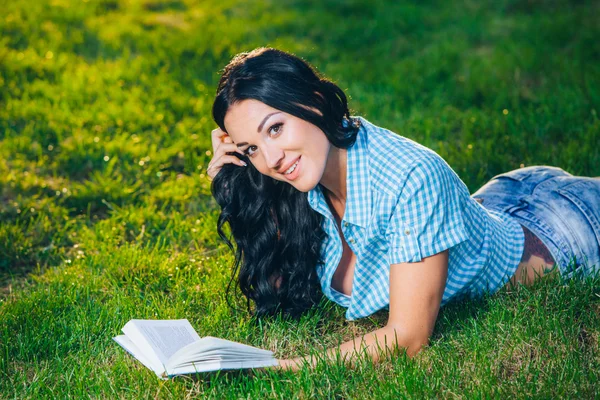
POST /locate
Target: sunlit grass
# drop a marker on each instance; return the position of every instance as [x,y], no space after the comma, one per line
[106,214]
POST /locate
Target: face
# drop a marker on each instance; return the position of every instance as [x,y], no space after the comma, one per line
[274,141]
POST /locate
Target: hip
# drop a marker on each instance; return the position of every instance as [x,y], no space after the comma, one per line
[560,214]
[535,262]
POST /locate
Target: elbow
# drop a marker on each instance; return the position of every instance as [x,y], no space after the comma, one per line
[416,346]
[412,341]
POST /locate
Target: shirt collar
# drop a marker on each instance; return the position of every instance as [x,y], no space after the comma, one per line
[358,193]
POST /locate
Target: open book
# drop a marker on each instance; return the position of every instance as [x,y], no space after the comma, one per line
[172,347]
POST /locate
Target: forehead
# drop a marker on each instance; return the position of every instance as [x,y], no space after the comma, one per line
[244,117]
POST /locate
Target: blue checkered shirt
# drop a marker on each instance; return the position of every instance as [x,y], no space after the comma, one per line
[404,203]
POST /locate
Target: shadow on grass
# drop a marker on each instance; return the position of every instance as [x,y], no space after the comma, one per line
[217,376]
[454,316]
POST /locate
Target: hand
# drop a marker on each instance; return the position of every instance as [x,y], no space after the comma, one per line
[290,365]
[223,146]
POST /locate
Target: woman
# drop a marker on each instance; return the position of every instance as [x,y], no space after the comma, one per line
[322,202]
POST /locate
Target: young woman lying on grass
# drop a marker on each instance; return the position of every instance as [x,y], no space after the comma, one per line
[320,202]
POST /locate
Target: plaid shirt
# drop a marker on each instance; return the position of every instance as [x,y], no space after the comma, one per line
[404,203]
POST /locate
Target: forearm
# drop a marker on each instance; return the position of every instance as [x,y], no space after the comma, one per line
[374,344]
[416,293]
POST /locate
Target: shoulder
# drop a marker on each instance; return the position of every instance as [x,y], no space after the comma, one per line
[399,165]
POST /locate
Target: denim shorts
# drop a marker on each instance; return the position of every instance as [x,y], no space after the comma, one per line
[562,210]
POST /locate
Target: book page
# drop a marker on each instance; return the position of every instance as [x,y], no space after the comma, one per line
[211,348]
[220,365]
[131,348]
[160,337]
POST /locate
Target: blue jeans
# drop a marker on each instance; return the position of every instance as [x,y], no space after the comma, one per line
[562,210]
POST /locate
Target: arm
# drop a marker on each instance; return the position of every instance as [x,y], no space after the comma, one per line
[416,291]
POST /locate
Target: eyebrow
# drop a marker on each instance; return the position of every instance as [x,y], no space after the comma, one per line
[260,126]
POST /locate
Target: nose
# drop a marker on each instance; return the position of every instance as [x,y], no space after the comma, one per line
[273,156]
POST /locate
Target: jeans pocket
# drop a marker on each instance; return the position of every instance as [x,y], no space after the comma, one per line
[585,195]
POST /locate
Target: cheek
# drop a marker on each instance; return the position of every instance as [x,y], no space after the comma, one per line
[319,145]
[259,165]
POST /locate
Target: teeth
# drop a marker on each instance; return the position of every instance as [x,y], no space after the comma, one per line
[292,168]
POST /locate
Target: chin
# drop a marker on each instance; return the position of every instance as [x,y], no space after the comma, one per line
[302,188]
[304,185]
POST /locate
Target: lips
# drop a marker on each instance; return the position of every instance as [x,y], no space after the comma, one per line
[282,170]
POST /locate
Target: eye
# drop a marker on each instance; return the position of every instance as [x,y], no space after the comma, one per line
[247,151]
[275,129]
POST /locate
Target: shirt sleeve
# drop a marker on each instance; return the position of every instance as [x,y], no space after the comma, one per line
[429,215]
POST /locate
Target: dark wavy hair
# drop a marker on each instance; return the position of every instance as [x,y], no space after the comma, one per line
[278,235]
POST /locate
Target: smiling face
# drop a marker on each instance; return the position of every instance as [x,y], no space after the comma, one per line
[275,141]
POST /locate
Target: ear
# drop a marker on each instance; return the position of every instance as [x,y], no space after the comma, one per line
[276,224]
[275,279]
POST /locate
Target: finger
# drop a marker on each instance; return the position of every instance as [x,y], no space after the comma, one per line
[214,168]
[228,148]
[232,160]
[218,163]
[216,135]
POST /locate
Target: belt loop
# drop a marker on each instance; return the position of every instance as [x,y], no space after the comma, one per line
[520,205]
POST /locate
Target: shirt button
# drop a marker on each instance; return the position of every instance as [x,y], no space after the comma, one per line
[407,232]
[351,240]
[345,224]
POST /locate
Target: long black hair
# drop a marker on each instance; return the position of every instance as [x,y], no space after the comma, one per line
[278,235]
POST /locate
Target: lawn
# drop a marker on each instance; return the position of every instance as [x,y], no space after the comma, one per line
[106,213]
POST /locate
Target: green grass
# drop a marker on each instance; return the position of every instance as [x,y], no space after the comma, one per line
[106,215]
